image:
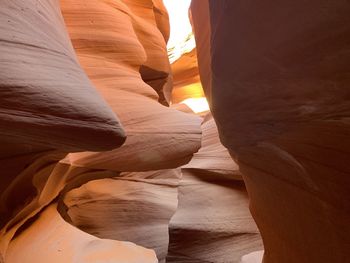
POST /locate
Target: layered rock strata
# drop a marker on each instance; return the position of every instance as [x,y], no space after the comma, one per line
[48,108]
[121,47]
[135,207]
[51,239]
[212,222]
[113,64]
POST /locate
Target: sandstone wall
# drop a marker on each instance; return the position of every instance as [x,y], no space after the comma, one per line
[69,131]
[280,95]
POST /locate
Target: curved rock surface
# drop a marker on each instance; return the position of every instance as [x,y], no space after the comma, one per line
[213,157]
[212,222]
[48,107]
[46,98]
[149,126]
[280,97]
[186,81]
[121,47]
[276,76]
[134,207]
[51,239]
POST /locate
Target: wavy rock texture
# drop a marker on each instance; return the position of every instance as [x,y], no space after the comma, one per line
[48,107]
[213,157]
[112,63]
[121,47]
[134,207]
[186,81]
[281,99]
[212,222]
[46,99]
[158,137]
[51,239]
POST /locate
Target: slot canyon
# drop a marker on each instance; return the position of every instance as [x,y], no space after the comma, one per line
[174,131]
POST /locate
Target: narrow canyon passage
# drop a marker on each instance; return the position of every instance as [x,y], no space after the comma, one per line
[179,131]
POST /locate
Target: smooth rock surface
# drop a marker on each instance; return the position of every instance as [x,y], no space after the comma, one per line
[46,98]
[281,100]
[134,207]
[158,137]
[50,239]
[186,81]
[213,157]
[254,257]
[121,46]
[212,222]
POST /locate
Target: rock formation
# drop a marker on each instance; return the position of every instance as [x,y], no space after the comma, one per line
[121,48]
[212,222]
[135,207]
[48,107]
[46,99]
[277,76]
[117,76]
[51,239]
[101,160]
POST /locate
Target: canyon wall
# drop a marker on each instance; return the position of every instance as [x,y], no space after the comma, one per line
[96,167]
[277,74]
[60,135]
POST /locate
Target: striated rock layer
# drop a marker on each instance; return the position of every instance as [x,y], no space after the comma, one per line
[113,64]
[48,107]
[56,146]
[51,239]
[46,99]
[136,207]
[213,157]
[212,222]
[158,137]
[279,92]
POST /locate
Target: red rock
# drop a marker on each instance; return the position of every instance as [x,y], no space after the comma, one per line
[280,97]
[158,137]
[113,42]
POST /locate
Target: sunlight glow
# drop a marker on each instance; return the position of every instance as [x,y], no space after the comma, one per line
[198,105]
[181,36]
[193,90]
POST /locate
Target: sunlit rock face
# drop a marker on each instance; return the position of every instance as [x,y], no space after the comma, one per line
[124,54]
[187,87]
[48,108]
[60,115]
[113,64]
[181,40]
[279,93]
[186,81]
